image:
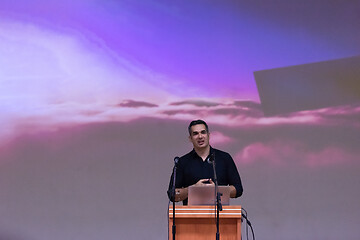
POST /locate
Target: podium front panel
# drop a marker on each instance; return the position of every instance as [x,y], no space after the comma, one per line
[199,222]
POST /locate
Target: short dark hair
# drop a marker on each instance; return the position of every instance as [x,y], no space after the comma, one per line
[197,122]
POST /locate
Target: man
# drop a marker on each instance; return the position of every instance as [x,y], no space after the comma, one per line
[194,167]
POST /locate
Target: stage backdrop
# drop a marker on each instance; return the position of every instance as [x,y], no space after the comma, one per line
[96,96]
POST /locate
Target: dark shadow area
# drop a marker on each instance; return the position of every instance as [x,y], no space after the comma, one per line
[309,86]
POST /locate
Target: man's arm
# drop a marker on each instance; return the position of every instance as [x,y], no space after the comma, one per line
[234,179]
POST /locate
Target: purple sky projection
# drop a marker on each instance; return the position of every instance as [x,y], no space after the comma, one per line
[72,69]
[90,61]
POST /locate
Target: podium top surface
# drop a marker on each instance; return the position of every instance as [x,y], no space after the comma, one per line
[205,212]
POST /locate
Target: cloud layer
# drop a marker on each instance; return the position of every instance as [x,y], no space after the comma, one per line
[323,137]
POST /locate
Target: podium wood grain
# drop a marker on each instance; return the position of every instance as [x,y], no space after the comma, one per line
[198,222]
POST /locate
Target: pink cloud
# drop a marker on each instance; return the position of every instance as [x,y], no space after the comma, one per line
[280,153]
[218,138]
[330,156]
[277,153]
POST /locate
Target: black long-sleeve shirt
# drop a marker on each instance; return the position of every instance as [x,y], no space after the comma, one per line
[191,168]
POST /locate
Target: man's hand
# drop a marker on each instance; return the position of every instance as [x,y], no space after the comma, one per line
[205,182]
[181,194]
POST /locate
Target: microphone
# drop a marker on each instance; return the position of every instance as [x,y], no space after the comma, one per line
[173,193]
[211,158]
[176,160]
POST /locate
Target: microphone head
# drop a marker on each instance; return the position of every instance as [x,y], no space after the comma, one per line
[211,158]
[208,160]
[176,160]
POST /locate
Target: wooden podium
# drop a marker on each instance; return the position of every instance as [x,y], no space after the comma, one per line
[199,223]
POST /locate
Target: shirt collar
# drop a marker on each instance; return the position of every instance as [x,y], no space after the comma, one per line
[193,152]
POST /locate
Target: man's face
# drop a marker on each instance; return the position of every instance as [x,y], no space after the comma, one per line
[199,136]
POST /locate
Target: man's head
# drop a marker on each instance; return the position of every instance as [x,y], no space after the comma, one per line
[199,134]
[197,122]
